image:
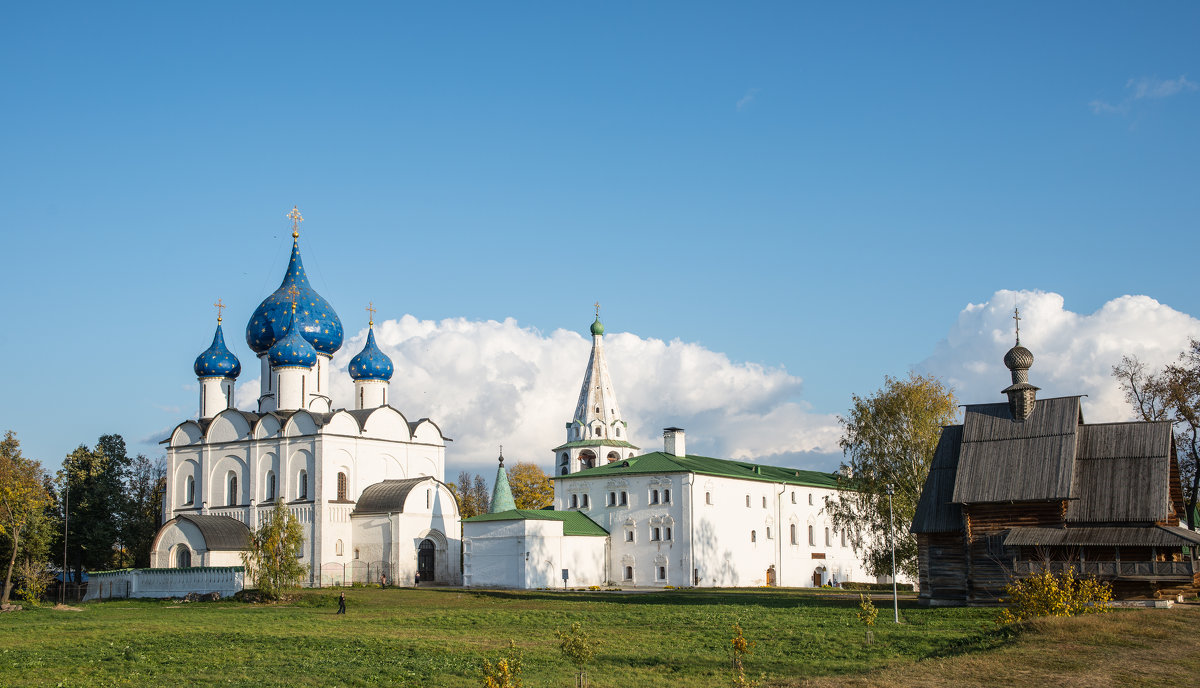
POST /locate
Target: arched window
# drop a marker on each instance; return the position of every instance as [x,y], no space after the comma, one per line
[810,499]
[667,496]
[753,536]
[362,395]
[618,432]
[764,502]
[828,542]
[812,540]
[662,573]
[189,490]
[747,501]
[667,534]
[355,552]
[563,471]
[233,493]
[654,496]
[302,486]
[574,501]
[655,533]
[586,502]
[624,498]
[343,485]
[628,573]
[183,557]
[793,496]
[708,498]
[612,498]
[843,537]
[338,548]
[792,530]
[768,532]
[270,486]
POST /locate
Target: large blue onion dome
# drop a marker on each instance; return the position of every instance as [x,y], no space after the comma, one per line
[292,350]
[217,360]
[371,363]
[315,319]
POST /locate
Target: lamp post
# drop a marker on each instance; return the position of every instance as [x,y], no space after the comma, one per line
[892,542]
[66,518]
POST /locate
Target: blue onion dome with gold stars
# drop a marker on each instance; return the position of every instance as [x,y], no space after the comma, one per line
[217,360]
[292,350]
[316,321]
[371,363]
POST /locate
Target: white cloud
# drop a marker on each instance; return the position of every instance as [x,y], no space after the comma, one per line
[1073,353]
[1142,89]
[490,383]
[745,100]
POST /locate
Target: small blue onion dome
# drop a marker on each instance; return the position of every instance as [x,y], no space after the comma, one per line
[217,360]
[292,350]
[371,363]
[597,327]
[315,320]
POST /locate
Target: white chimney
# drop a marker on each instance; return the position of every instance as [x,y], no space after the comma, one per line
[673,442]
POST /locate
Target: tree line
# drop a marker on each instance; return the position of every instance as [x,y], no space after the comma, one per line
[111,504]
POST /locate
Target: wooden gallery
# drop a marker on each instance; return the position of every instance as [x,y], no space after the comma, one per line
[1028,485]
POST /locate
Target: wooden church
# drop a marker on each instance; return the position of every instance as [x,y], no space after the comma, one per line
[1024,485]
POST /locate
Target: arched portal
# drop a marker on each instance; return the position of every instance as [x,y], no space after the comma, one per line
[426,559]
[183,557]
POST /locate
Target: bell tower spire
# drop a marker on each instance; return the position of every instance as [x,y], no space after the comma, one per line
[597,433]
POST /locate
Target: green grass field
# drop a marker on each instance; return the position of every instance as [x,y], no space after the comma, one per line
[439,637]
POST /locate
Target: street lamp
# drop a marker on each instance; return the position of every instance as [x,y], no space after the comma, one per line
[66,518]
[892,542]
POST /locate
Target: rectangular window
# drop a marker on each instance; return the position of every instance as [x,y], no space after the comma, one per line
[662,573]
[768,532]
[708,498]
[753,536]
[655,534]
[843,537]
[654,496]
[764,502]
[747,501]
[629,536]
[628,573]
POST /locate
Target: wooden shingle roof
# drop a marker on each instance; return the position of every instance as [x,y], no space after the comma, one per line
[936,513]
[1002,460]
[1122,473]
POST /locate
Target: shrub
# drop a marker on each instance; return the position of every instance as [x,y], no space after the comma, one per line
[866,611]
[506,672]
[1050,594]
[579,648]
[876,587]
[741,649]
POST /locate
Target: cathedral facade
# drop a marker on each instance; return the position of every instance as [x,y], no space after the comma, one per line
[365,483]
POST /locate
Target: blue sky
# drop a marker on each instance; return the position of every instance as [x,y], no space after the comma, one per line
[820,189]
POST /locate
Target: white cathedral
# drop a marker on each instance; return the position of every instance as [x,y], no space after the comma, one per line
[367,483]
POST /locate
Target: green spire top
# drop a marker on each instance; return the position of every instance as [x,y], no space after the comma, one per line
[597,327]
[502,499]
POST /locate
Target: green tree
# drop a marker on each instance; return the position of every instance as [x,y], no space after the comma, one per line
[579,648]
[95,480]
[531,488]
[22,500]
[888,438]
[1171,394]
[142,508]
[271,561]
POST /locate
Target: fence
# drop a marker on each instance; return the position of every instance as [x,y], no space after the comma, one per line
[350,573]
[1111,569]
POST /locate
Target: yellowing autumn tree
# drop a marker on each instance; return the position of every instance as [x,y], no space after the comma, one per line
[531,488]
[22,497]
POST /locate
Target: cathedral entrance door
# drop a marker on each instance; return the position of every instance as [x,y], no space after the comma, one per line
[425,561]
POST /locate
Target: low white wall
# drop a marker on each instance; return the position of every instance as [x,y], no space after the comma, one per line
[226,580]
[530,554]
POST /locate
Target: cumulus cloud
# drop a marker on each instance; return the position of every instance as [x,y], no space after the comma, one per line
[489,383]
[1145,88]
[1073,353]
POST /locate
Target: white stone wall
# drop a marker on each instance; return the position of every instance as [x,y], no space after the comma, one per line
[714,536]
[159,583]
[529,554]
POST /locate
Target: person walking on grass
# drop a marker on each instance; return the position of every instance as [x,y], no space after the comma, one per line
[341,603]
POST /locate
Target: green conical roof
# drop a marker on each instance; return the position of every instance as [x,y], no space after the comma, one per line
[502,499]
[597,327]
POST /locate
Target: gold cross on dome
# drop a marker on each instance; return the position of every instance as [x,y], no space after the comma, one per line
[597,305]
[296,219]
[1017,317]
[220,307]
[371,310]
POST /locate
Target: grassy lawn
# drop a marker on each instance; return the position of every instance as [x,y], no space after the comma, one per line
[438,637]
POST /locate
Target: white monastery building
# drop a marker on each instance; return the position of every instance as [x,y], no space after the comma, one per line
[657,519]
[366,483]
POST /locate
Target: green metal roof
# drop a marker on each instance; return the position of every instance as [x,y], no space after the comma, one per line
[574,523]
[620,444]
[502,498]
[661,462]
